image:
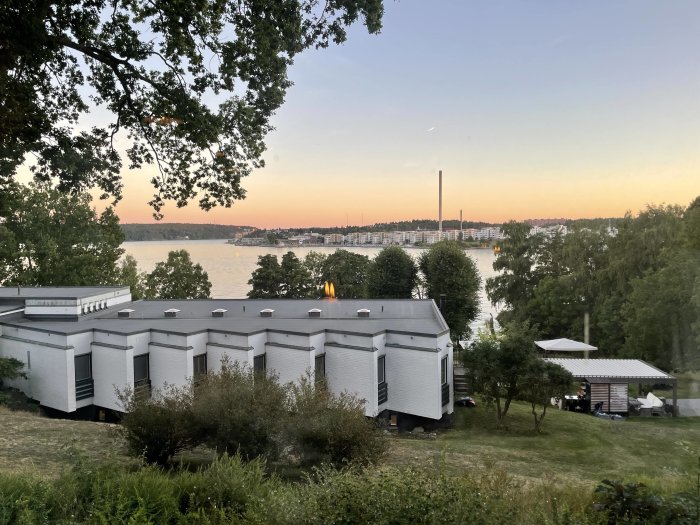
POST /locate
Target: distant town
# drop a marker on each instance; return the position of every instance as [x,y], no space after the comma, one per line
[419,232]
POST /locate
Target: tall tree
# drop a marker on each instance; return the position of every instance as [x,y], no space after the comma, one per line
[296,281]
[178,278]
[392,274]
[129,275]
[499,364]
[448,270]
[54,239]
[266,279]
[190,85]
[348,273]
[314,262]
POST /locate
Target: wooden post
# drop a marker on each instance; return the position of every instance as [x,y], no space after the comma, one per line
[675,398]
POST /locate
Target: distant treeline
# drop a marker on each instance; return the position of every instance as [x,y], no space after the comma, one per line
[179,231]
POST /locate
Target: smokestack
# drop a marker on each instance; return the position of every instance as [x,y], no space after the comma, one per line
[440,204]
[461,233]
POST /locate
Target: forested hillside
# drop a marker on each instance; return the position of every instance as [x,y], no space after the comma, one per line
[179,231]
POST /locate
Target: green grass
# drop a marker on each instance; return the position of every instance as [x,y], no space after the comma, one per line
[574,449]
[42,446]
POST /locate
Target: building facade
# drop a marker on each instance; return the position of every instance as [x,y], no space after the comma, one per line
[81,346]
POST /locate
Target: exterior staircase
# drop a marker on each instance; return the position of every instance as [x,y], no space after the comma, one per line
[461,382]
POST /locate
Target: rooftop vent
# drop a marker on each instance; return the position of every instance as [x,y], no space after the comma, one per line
[172,312]
[267,312]
[126,312]
[363,312]
[315,312]
[219,312]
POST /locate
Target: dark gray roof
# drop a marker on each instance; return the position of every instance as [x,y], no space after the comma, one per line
[59,292]
[243,316]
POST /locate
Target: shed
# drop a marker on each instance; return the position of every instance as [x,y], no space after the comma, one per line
[609,379]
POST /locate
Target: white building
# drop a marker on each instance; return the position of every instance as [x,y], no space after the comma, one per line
[81,345]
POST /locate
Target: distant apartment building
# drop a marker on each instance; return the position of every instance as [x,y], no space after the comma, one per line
[333,238]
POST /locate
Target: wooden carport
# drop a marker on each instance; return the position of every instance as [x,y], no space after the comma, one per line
[606,377]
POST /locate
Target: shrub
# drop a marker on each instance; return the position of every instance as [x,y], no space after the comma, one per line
[626,501]
[157,428]
[324,427]
[237,410]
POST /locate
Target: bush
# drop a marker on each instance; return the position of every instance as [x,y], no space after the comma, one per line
[325,428]
[157,428]
[238,410]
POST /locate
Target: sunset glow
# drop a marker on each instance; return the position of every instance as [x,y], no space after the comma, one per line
[530,109]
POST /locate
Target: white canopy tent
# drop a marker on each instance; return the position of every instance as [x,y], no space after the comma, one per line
[564,345]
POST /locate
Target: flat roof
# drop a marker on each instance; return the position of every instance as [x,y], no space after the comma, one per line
[417,316]
[610,368]
[55,292]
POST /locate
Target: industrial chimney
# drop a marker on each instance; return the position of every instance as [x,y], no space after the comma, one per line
[440,203]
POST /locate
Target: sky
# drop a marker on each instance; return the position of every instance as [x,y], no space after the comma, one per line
[531,108]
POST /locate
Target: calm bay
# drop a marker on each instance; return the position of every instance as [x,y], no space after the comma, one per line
[230,267]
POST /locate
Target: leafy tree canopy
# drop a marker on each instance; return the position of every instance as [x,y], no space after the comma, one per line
[53,239]
[190,86]
[348,273]
[266,279]
[177,278]
[448,270]
[392,274]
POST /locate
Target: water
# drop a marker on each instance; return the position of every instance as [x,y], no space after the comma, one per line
[229,267]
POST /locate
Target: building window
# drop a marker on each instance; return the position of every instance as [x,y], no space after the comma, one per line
[259,364]
[445,388]
[84,385]
[200,366]
[383,389]
[320,367]
[142,376]
[381,370]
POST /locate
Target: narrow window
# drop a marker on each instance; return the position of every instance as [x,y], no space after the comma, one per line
[259,364]
[83,367]
[200,366]
[84,385]
[142,377]
[443,370]
[141,368]
[382,387]
[320,368]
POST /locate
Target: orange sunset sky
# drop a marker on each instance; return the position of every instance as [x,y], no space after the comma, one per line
[531,109]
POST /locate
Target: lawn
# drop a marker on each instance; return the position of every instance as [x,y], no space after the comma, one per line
[574,449]
[37,445]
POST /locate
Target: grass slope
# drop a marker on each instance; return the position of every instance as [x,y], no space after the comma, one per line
[575,449]
[30,444]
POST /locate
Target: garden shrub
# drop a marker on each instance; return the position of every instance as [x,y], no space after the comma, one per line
[239,411]
[158,427]
[328,428]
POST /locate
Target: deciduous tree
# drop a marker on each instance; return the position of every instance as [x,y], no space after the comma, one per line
[266,278]
[54,239]
[348,273]
[448,270]
[189,86]
[296,281]
[178,278]
[392,274]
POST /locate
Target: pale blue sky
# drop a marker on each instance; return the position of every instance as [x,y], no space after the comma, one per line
[537,107]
